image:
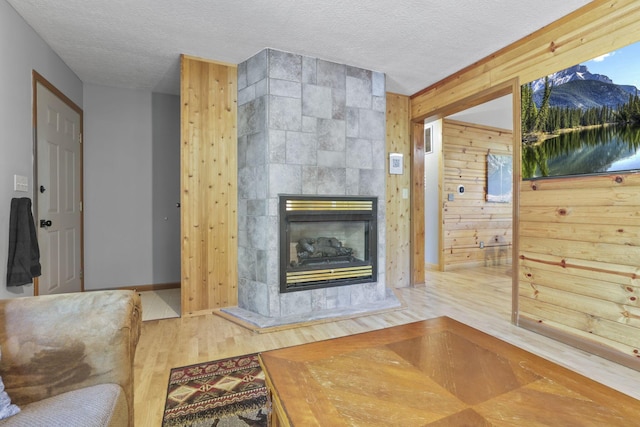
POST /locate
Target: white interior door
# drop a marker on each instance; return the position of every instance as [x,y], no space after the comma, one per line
[58,190]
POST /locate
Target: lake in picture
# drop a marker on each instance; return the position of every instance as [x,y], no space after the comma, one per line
[612,148]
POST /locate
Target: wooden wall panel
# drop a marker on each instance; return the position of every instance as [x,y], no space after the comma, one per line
[579,250]
[470,219]
[397,206]
[208,185]
[575,239]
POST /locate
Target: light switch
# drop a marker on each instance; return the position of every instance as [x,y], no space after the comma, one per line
[405,193]
[20,183]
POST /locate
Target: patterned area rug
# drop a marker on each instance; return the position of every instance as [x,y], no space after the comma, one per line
[223,393]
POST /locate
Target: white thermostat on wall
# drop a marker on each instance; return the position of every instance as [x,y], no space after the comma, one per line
[395,163]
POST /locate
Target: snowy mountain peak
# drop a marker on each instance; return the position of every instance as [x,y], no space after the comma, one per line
[577,72]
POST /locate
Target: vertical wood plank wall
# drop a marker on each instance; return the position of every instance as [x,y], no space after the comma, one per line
[469,219]
[398,208]
[208,185]
[577,282]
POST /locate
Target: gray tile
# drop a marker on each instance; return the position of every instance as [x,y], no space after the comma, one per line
[285,179]
[359,153]
[285,113]
[379,104]
[331,135]
[302,148]
[285,88]
[317,101]
[257,67]
[359,73]
[246,183]
[331,159]
[358,93]
[252,117]
[277,146]
[253,296]
[257,232]
[309,180]
[331,181]
[339,111]
[353,123]
[318,300]
[379,87]
[260,184]
[262,87]
[256,149]
[371,124]
[256,207]
[331,74]
[285,66]
[247,94]
[353,181]
[371,182]
[309,70]
[261,265]
[273,233]
[293,303]
[309,124]
[242,151]
[273,206]
[247,268]
[242,75]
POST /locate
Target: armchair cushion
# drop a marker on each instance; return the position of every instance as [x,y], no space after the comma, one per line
[54,344]
[103,405]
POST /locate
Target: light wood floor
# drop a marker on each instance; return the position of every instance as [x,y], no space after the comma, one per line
[479,297]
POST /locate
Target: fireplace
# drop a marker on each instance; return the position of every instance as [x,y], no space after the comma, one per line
[327,241]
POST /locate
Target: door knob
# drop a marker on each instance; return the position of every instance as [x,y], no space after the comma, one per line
[45,223]
[42,189]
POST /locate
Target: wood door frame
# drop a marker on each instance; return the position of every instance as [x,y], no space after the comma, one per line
[38,78]
[512,87]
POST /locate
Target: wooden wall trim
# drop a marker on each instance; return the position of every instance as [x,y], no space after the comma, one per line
[517,181]
[417,205]
[583,343]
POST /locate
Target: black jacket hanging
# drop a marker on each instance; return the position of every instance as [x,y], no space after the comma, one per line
[24,254]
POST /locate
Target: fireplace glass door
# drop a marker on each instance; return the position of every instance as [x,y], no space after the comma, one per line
[327,242]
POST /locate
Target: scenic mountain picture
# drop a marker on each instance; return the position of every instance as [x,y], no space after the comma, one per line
[584,119]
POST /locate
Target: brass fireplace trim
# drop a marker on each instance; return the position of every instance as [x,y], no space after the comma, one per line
[328,205]
[308,276]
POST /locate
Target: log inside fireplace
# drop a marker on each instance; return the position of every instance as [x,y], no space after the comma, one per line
[327,241]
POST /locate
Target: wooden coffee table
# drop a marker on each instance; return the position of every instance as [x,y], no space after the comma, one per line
[437,372]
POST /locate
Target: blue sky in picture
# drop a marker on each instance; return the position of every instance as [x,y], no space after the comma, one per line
[622,65]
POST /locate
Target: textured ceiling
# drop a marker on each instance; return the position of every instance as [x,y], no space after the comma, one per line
[137,43]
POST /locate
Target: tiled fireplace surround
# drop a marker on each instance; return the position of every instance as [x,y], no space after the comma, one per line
[310,127]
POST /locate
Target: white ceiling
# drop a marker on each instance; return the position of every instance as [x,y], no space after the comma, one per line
[137,43]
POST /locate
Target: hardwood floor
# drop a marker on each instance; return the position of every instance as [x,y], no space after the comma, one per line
[479,297]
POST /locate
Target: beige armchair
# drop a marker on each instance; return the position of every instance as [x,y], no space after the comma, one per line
[68,359]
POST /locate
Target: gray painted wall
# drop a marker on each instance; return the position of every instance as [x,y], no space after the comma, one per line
[22,51]
[117,187]
[166,188]
[432,204]
[131,186]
